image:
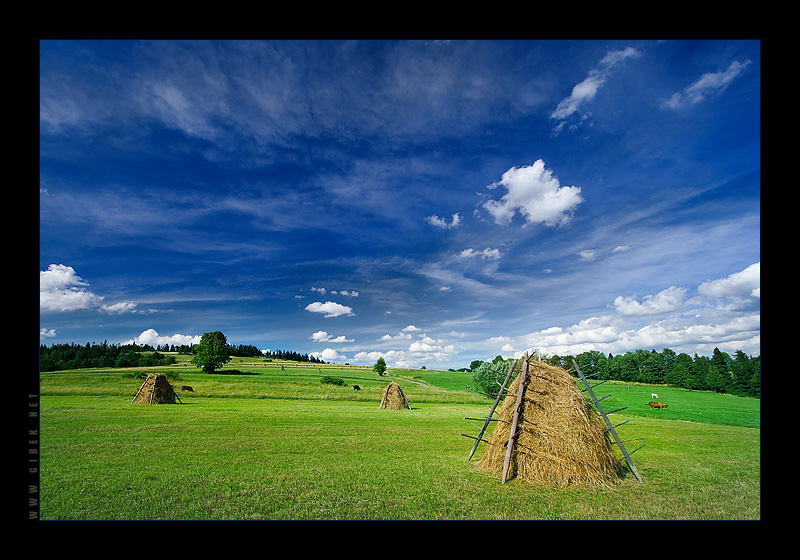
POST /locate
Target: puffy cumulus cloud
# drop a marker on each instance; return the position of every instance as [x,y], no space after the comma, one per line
[436,221]
[151,337]
[535,194]
[119,308]
[664,301]
[61,289]
[411,328]
[425,351]
[709,84]
[46,333]
[426,344]
[485,254]
[398,336]
[348,293]
[668,319]
[322,336]
[739,285]
[584,335]
[329,309]
[329,355]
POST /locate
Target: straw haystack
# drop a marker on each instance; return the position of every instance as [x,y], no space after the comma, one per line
[560,438]
[156,390]
[393,398]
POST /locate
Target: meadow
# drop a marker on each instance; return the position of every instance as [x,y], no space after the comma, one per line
[267,444]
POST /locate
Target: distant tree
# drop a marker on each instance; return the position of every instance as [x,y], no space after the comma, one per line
[211,352]
[489,376]
[380,366]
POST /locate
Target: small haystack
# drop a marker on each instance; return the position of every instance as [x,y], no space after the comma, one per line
[560,438]
[393,398]
[156,390]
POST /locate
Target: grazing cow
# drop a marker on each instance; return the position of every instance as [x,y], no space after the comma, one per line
[356,388]
[187,388]
[657,405]
[653,396]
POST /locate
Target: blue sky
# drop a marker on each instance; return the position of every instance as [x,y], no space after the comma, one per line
[431,202]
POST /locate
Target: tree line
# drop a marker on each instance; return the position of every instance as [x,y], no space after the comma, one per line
[60,357]
[737,374]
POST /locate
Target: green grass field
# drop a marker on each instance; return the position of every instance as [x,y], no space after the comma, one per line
[272,445]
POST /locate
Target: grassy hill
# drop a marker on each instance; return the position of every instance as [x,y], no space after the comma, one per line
[258,442]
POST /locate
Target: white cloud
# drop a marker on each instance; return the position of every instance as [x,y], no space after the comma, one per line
[45,333]
[329,355]
[485,254]
[585,91]
[443,224]
[411,328]
[399,336]
[322,336]
[706,85]
[667,319]
[587,255]
[347,293]
[151,337]
[536,194]
[664,301]
[321,291]
[60,289]
[329,308]
[119,308]
[740,285]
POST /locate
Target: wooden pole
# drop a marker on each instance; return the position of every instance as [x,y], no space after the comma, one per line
[494,406]
[140,388]
[625,453]
[520,392]
[153,392]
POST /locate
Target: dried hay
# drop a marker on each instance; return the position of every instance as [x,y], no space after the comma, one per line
[155,390]
[393,398]
[560,438]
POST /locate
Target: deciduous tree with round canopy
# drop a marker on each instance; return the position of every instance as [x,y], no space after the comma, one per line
[211,352]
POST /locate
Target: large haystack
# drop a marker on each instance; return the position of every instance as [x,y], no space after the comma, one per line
[393,398]
[560,438]
[155,390]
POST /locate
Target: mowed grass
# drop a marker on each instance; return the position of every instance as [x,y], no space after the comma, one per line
[282,445]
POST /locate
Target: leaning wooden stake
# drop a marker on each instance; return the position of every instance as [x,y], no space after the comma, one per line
[625,453]
[520,393]
[491,412]
[140,389]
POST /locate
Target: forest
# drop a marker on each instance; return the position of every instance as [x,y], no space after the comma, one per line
[60,357]
[738,374]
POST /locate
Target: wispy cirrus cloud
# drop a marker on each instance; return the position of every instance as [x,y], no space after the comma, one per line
[585,91]
[707,85]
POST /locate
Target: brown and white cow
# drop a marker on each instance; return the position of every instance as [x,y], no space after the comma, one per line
[654,404]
